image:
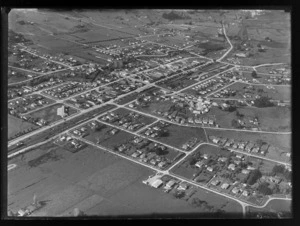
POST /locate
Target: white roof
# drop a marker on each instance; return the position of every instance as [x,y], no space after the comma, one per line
[156,183]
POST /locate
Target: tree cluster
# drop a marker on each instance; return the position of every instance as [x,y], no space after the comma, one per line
[263,102]
[253,176]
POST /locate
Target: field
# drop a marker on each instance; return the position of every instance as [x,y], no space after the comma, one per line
[49,114]
[16,125]
[273,208]
[96,181]
[271,118]
[179,135]
[281,142]
[275,93]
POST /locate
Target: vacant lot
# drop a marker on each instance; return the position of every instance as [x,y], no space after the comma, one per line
[16,125]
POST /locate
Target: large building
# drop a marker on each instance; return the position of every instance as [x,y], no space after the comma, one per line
[61,111]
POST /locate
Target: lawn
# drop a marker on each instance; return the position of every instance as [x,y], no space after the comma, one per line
[16,125]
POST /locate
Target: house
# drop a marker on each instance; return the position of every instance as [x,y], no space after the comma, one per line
[249,147]
[244,171]
[245,193]
[215,182]
[222,159]
[239,156]
[250,168]
[153,162]
[237,162]
[183,186]
[255,149]
[210,169]
[135,154]
[215,140]
[264,148]
[235,190]
[231,166]
[170,184]
[199,164]
[223,141]
[122,148]
[185,146]
[157,183]
[162,164]
[205,156]
[225,186]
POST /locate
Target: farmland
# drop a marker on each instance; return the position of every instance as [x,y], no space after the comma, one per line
[68,179]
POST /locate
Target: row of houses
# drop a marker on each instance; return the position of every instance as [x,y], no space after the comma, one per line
[248,146]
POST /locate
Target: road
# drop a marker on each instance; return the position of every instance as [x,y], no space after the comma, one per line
[231,46]
[43,74]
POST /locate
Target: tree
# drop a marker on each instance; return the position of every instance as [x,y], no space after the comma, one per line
[254,176]
[254,74]
[193,161]
[235,123]
[179,194]
[231,108]
[264,189]
[278,169]
[262,102]
[238,114]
